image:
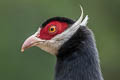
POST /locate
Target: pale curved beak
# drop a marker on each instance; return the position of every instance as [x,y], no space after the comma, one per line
[29,42]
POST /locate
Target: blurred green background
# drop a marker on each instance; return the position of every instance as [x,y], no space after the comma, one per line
[21,18]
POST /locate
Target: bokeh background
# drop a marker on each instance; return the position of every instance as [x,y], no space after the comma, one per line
[21,18]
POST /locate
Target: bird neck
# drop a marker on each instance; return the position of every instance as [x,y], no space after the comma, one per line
[78,58]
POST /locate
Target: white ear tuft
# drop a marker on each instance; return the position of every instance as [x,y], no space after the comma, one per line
[85,21]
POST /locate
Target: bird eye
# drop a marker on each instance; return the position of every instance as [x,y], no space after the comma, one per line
[52,29]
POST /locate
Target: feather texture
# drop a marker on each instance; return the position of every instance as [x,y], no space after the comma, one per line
[78,58]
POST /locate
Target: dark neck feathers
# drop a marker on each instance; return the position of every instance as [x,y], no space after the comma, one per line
[78,58]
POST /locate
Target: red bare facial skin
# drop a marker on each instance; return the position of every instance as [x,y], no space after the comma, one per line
[45,32]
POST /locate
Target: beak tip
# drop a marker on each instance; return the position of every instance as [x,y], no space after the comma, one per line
[22,50]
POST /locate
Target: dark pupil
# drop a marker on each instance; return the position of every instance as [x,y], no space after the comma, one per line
[52,29]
